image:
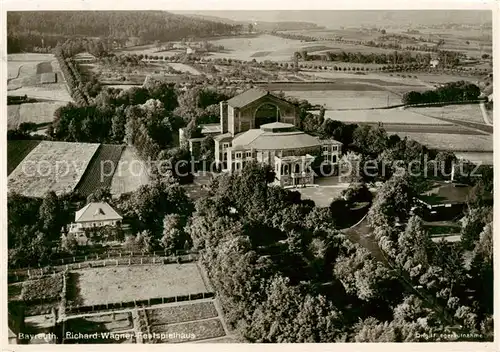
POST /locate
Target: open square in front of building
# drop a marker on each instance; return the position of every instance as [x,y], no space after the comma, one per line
[129,283]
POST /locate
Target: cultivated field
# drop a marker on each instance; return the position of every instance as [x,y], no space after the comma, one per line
[383,115]
[13,116]
[51,166]
[34,75]
[130,174]
[469,112]
[39,113]
[25,64]
[17,151]
[347,99]
[392,83]
[452,142]
[260,48]
[56,92]
[477,157]
[100,171]
[126,284]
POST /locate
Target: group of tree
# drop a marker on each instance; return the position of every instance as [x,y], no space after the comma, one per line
[276,260]
[147,118]
[450,92]
[459,289]
[34,226]
[157,214]
[119,26]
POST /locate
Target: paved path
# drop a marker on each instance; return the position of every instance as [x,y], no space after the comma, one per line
[486,117]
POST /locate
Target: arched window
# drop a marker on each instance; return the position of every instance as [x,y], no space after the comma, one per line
[266,113]
[286,169]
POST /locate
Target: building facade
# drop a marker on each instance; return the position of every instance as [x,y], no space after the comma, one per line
[92,217]
[258,126]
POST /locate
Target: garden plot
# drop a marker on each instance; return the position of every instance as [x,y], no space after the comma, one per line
[48,288]
[101,323]
[129,283]
[452,142]
[191,331]
[462,112]
[51,166]
[181,313]
[400,116]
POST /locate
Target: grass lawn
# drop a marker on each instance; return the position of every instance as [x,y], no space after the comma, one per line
[322,196]
[129,283]
[130,174]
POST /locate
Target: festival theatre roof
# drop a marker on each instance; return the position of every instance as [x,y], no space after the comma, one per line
[276,136]
[247,97]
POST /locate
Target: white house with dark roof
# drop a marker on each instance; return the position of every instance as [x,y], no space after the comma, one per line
[93,216]
[257,125]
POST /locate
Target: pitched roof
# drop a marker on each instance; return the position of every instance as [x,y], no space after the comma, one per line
[210,128]
[97,211]
[247,97]
[223,136]
[263,140]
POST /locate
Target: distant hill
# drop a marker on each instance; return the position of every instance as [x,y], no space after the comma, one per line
[358,18]
[259,25]
[117,25]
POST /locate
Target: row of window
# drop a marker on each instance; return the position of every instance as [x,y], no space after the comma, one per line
[238,155]
[326,148]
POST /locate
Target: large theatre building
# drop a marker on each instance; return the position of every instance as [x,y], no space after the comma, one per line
[256,125]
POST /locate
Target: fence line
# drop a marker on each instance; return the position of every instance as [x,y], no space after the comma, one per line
[137,303]
[25,274]
[114,253]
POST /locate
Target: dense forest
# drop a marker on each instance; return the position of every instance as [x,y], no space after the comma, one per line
[27,30]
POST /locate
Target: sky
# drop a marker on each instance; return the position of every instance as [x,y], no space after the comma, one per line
[356,18]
